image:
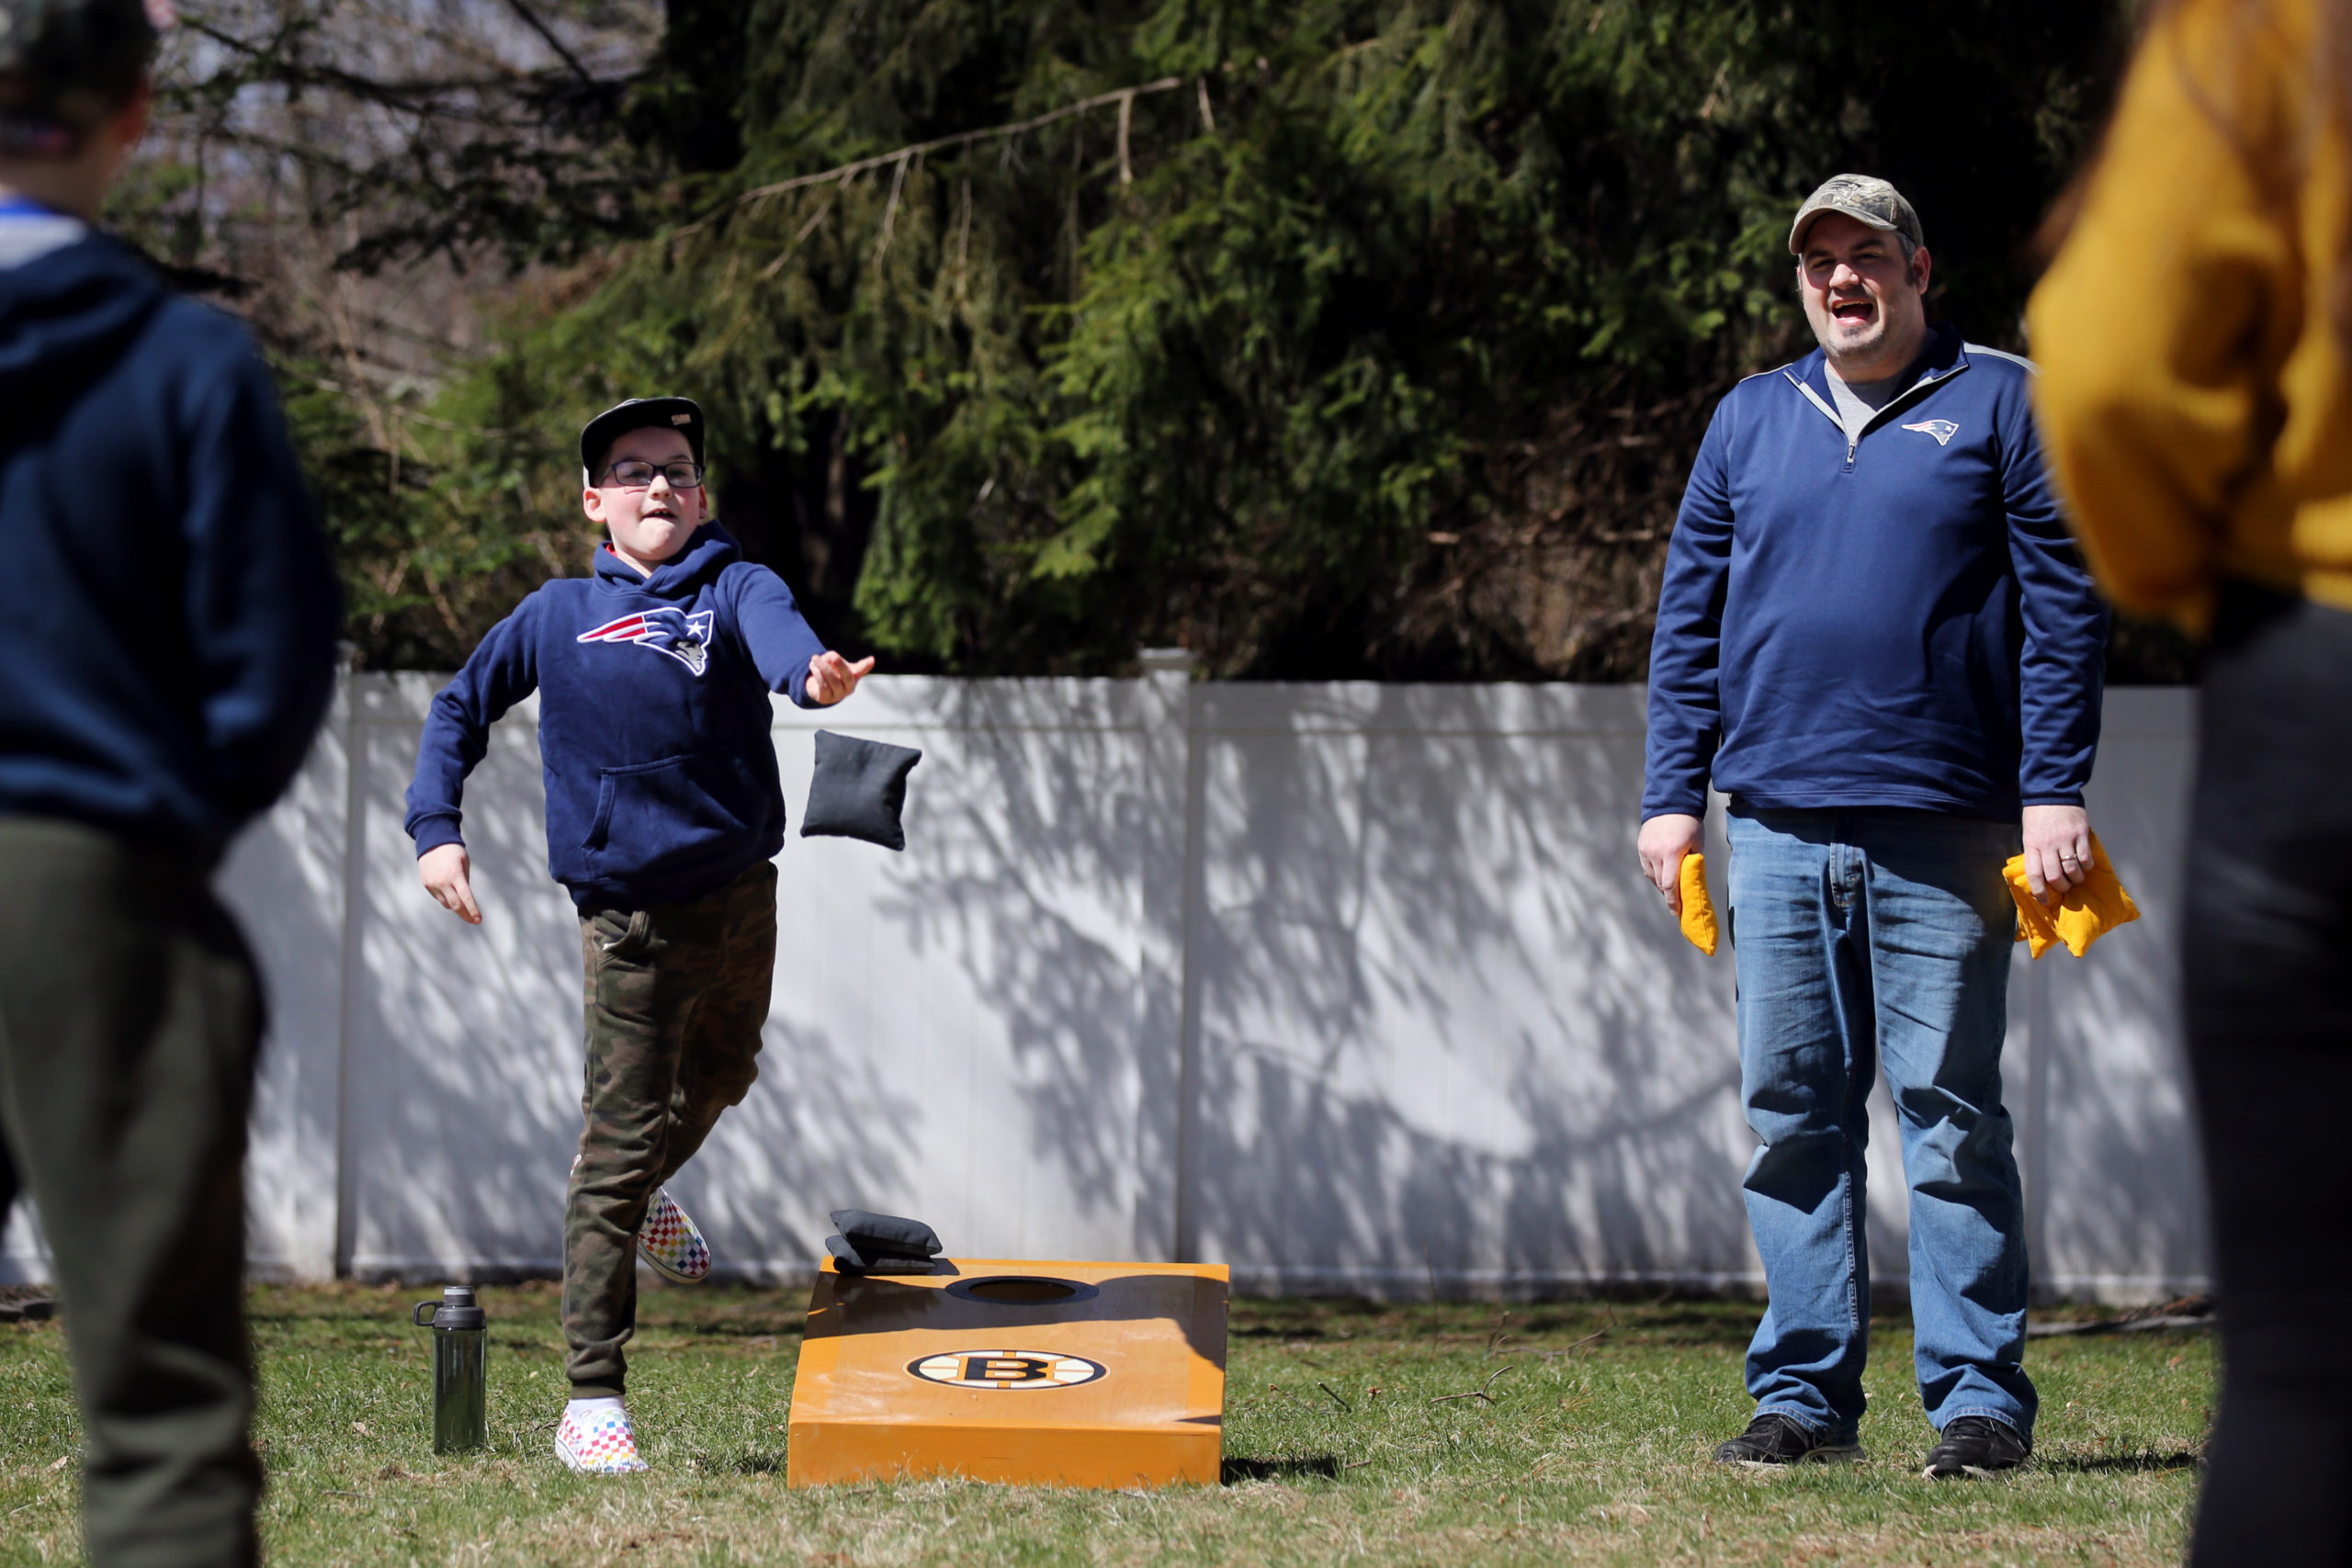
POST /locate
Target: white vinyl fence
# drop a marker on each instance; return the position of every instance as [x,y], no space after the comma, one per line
[1351,987]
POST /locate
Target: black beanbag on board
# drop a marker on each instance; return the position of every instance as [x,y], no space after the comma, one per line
[870,1232]
[854,1259]
[858,790]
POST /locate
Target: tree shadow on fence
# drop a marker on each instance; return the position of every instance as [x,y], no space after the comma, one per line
[1445,1039]
[1444,1031]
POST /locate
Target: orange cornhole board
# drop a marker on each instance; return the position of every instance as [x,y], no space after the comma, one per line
[1051,1374]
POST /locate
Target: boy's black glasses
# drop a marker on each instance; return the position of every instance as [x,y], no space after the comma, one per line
[633,474]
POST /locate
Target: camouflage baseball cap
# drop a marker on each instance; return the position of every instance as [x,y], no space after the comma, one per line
[1863,198]
[65,64]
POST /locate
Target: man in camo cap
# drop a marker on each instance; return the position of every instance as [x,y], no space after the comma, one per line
[1875,636]
[169,649]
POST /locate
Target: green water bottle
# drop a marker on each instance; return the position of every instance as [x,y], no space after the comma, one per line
[460,1381]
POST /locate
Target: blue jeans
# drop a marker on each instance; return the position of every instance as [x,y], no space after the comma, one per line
[1865,937]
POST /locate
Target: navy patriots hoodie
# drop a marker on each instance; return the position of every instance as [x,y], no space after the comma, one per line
[653,721]
[168,648]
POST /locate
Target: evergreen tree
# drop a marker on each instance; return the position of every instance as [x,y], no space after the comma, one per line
[1326,337]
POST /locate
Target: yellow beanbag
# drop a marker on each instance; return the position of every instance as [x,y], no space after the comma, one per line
[2084,914]
[1698,909]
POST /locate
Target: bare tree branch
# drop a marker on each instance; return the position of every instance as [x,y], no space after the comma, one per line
[531,19]
[1122,96]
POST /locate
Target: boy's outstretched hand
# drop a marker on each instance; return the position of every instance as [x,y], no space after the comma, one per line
[444,870]
[831,677]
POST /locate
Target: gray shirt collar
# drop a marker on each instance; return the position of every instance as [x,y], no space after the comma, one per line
[1859,401]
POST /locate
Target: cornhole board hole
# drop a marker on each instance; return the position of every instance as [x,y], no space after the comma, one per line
[1023,1373]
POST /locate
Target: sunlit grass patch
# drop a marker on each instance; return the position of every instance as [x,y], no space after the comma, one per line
[1575,1432]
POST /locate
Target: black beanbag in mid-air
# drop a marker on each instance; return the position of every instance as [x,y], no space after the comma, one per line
[858,791]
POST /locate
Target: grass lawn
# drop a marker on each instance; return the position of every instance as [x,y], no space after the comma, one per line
[1590,1449]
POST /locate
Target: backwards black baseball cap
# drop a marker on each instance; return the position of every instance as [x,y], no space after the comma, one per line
[65,65]
[596,437]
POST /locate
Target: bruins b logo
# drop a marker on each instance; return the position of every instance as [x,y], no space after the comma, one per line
[1006,1369]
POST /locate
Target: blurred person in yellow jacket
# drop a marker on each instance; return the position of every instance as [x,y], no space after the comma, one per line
[2195,333]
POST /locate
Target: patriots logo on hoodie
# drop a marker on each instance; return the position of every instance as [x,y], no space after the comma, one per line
[1943,430]
[683,638]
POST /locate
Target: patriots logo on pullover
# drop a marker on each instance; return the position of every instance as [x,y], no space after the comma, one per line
[685,638]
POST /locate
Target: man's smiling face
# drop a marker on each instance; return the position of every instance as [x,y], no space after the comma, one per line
[1864,303]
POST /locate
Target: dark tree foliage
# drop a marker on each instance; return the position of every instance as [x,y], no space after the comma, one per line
[1377,345]
[1355,339]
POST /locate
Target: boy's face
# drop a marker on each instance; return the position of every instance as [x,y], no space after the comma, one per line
[648,522]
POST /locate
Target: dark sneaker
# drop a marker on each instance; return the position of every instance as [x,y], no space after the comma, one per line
[1783,1440]
[1976,1445]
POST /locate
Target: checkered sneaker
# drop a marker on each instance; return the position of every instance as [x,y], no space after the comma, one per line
[671,1242]
[601,1444]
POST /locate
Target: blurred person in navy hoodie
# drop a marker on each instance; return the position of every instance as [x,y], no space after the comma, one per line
[168,650]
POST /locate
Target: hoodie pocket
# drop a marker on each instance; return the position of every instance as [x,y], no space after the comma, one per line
[675,811]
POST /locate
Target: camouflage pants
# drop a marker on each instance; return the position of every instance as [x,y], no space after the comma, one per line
[676,996]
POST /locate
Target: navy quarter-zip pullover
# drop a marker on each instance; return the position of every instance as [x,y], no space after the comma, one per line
[654,720]
[1899,619]
[170,651]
